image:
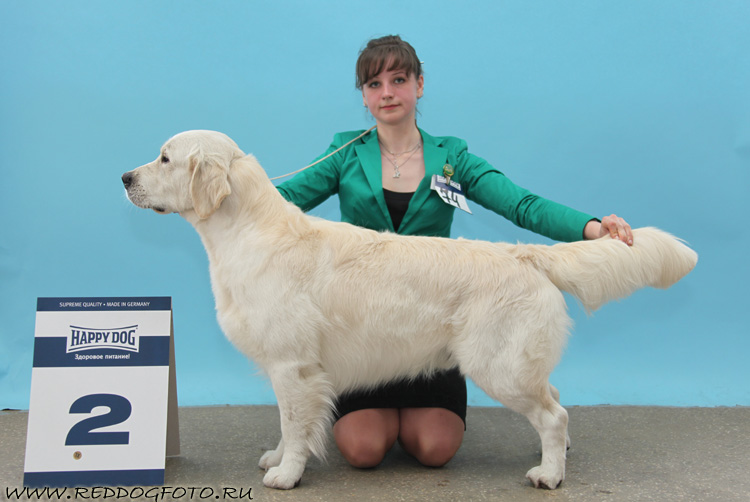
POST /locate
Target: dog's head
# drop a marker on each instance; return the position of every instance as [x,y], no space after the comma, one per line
[190,173]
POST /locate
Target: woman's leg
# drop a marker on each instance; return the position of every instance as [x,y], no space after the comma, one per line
[365,436]
[431,435]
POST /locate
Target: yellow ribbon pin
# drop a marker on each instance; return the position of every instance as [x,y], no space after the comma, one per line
[448,172]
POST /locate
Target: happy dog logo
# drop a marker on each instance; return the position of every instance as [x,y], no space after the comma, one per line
[80,339]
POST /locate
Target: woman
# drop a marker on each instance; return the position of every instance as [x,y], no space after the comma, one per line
[383,182]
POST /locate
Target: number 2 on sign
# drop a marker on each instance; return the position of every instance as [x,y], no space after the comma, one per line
[83,433]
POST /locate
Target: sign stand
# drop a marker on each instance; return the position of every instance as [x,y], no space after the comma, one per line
[103,407]
[173,425]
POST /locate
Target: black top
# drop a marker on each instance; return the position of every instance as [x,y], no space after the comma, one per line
[398,203]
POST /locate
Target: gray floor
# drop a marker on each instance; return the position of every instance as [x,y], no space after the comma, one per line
[618,454]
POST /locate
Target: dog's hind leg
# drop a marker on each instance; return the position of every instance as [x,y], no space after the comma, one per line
[551,422]
[510,354]
[556,394]
[546,416]
[304,397]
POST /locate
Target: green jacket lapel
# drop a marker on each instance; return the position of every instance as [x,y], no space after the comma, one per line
[434,160]
[368,154]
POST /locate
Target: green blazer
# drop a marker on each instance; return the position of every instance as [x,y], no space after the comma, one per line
[354,174]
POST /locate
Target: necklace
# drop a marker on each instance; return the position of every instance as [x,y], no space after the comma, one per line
[396,166]
[402,153]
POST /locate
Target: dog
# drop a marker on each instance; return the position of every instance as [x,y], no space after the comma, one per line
[325,307]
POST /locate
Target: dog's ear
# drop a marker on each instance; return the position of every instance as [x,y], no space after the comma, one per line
[209,184]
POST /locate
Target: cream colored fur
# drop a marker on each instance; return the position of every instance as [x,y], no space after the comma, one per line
[325,307]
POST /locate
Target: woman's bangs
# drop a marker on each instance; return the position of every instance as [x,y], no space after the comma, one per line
[390,60]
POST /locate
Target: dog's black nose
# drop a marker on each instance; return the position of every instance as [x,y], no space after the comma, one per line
[127,178]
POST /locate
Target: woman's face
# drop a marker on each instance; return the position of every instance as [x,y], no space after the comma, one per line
[391,96]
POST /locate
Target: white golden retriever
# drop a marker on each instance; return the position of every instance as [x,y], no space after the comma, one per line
[325,307]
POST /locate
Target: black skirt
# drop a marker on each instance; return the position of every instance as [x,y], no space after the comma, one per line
[445,389]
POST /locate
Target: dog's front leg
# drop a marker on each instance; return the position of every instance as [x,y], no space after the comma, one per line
[304,398]
[292,453]
[272,458]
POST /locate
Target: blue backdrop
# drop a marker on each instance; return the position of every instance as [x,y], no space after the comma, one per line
[639,108]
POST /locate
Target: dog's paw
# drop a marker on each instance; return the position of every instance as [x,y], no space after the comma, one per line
[543,479]
[276,477]
[271,458]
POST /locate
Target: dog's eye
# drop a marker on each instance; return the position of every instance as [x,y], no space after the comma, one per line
[164,159]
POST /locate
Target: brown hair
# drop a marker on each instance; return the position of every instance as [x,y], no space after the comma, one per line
[389,50]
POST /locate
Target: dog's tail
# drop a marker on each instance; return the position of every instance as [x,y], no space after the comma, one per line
[606,269]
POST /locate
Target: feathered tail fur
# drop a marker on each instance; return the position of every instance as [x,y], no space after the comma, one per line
[606,269]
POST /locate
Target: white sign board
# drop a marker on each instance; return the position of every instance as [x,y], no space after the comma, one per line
[103,407]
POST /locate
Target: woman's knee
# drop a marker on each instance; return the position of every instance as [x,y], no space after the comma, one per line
[431,435]
[363,454]
[365,436]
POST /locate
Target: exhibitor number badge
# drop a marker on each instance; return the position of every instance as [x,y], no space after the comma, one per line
[449,191]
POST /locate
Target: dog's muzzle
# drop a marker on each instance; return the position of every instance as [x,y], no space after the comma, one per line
[136,196]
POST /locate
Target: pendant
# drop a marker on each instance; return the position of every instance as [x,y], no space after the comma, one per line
[396,174]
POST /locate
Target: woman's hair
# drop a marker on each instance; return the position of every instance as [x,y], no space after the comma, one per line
[389,50]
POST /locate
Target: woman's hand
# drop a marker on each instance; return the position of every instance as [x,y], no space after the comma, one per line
[611,225]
